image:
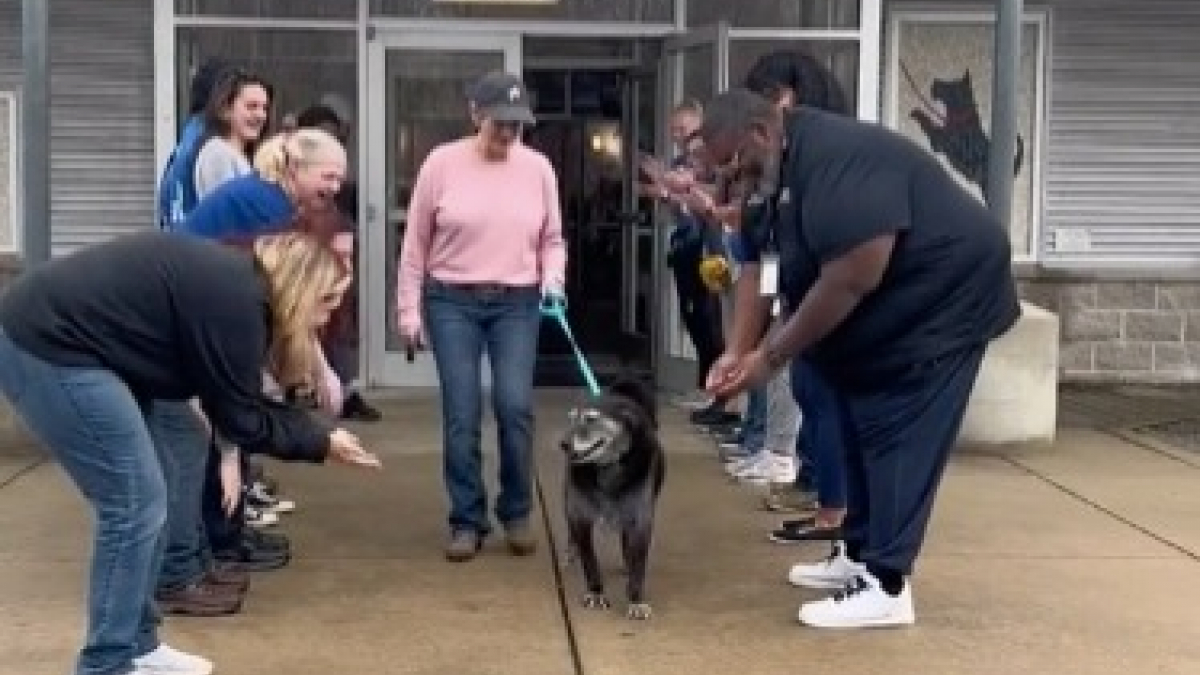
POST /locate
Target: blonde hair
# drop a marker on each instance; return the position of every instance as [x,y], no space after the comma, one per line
[293,149]
[300,273]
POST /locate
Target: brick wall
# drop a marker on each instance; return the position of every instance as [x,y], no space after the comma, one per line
[1124,331]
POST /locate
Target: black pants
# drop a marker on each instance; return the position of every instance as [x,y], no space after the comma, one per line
[902,434]
[701,312]
[223,531]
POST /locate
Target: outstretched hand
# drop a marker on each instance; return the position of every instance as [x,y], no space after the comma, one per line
[733,374]
[345,448]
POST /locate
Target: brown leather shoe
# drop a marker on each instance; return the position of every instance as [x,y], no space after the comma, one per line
[200,599]
[228,574]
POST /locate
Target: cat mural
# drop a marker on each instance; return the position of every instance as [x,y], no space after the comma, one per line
[959,136]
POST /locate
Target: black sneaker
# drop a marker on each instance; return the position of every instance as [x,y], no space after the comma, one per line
[800,530]
[712,417]
[252,558]
[355,408]
[267,541]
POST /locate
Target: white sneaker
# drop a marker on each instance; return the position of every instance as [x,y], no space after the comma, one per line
[170,661]
[861,604]
[767,468]
[832,573]
[738,466]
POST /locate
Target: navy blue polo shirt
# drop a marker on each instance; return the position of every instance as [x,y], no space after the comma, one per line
[949,282]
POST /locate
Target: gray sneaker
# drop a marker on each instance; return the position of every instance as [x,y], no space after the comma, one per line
[520,538]
[463,545]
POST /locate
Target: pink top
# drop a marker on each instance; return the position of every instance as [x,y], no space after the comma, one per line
[474,221]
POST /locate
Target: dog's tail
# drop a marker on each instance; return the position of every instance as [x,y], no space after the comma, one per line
[640,393]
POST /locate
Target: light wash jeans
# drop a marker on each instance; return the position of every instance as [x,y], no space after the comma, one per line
[94,427]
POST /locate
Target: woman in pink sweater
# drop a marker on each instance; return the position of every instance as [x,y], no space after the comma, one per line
[483,245]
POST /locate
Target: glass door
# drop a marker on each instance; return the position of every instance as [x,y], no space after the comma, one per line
[416,101]
[695,65]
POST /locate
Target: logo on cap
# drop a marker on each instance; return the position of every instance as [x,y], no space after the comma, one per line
[514,94]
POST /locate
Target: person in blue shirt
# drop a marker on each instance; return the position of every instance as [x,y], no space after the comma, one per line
[699,308]
[177,187]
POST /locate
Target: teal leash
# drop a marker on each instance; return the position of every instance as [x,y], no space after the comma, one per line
[556,308]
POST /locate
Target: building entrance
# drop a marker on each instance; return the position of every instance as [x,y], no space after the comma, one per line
[590,128]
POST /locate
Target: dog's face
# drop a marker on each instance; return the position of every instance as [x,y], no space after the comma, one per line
[599,434]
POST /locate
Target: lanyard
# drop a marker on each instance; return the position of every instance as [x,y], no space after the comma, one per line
[556,308]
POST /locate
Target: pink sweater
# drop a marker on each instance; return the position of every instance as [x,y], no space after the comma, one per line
[475,221]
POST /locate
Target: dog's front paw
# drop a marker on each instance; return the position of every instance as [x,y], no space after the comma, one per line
[639,611]
[595,601]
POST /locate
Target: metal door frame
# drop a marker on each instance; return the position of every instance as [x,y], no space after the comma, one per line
[383,368]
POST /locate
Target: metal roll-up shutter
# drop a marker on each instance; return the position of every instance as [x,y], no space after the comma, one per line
[1122,172]
[10,46]
[101,122]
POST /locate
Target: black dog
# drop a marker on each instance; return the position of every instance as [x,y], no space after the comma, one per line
[615,472]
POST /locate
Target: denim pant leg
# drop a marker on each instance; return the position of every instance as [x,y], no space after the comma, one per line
[181,439]
[824,433]
[511,333]
[754,425]
[454,324]
[783,416]
[94,427]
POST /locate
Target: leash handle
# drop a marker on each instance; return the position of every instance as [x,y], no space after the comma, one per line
[555,307]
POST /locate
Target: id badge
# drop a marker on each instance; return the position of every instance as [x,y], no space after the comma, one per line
[769,275]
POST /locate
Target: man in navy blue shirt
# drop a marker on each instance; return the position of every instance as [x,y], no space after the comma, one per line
[898,279]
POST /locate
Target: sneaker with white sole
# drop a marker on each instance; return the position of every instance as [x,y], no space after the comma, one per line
[861,604]
[256,517]
[260,498]
[736,465]
[765,468]
[167,660]
[831,573]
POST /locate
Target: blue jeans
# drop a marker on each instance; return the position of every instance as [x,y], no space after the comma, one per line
[181,439]
[821,444]
[754,426]
[461,323]
[94,427]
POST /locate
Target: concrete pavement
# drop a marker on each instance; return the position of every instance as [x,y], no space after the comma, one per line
[1080,558]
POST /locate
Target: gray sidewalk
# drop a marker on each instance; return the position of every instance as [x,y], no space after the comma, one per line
[1080,558]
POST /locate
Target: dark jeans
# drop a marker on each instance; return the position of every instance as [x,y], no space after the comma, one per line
[821,445]
[94,427]
[700,310]
[461,323]
[182,442]
[903,431]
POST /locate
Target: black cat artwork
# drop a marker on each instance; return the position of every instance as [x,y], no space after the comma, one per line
[959,134]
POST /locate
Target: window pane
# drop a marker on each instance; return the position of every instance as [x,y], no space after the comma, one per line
[579,10]
[426,106]
[840,56]
[775,13]
[276,9]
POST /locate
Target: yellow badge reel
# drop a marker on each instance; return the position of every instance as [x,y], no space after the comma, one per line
[715,273]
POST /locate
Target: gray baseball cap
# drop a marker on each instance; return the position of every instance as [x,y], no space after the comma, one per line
[502,97]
